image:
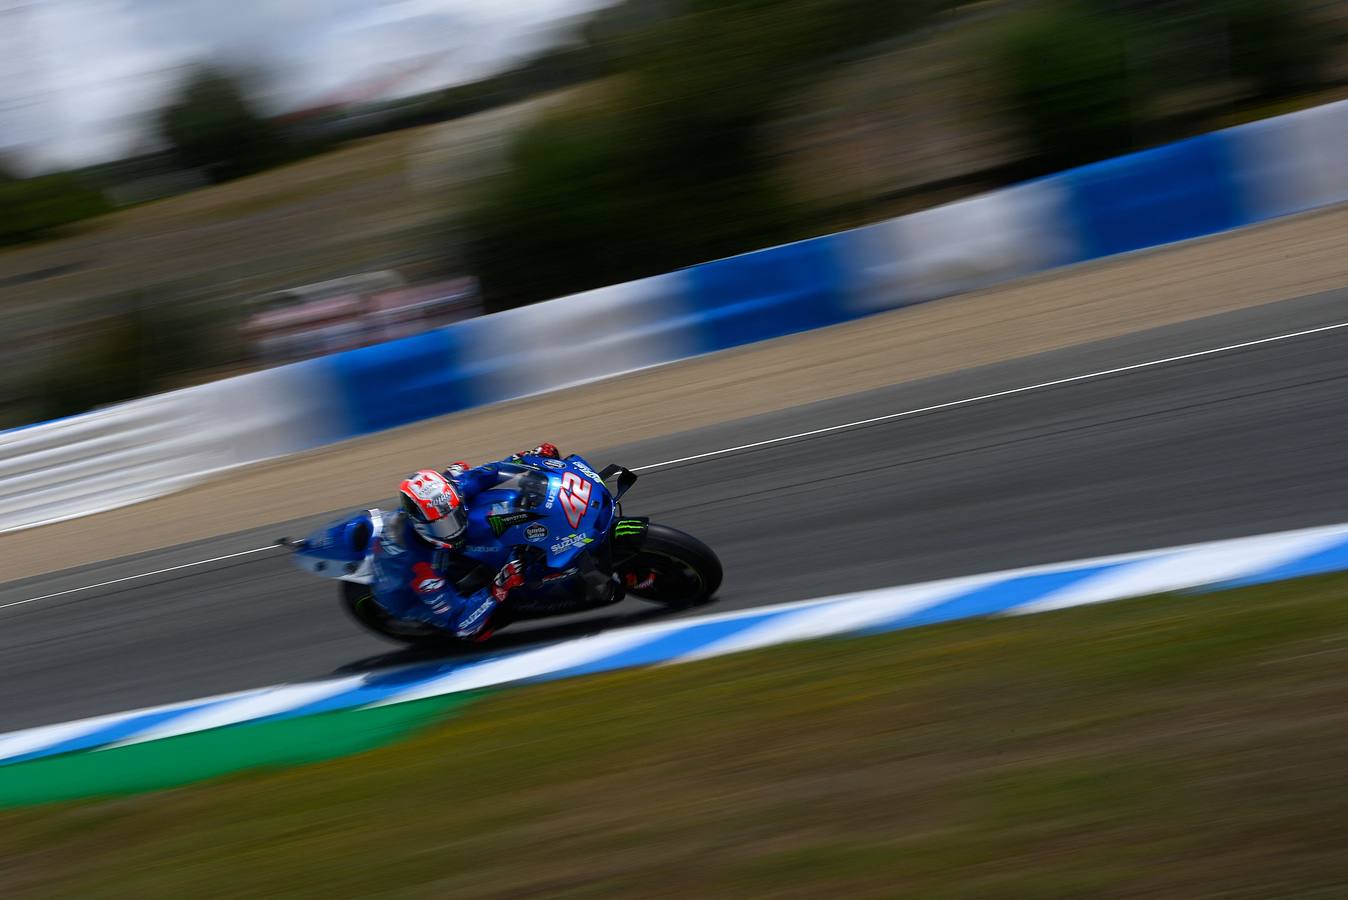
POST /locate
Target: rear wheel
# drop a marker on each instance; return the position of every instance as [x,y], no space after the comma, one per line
[672,568]
[358,601]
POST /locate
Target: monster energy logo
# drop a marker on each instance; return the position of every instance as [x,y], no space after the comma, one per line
[500,524]
[629,528]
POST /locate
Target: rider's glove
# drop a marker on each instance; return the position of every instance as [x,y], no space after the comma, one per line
[456,469]
[510,577]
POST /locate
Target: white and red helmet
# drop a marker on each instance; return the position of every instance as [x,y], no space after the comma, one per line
[434,507]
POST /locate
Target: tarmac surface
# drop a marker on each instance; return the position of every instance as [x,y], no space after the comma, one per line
[1213,445]
[1096,301]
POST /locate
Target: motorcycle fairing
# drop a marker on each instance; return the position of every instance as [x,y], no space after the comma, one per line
[342,549]
[560,506]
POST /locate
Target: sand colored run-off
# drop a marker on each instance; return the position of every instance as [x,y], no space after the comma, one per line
[1109,298]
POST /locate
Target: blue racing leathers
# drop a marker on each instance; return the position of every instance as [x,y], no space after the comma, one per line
[471,482]
[415,581]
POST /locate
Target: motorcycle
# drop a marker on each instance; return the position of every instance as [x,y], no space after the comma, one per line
[570,519]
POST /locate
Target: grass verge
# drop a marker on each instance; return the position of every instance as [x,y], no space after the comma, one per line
[197,756]
[1177,746]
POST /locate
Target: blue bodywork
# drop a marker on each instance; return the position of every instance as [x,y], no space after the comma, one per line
[543,489]
[342,549]
[560,507]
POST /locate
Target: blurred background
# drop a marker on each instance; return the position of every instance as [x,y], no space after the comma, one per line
[195,189]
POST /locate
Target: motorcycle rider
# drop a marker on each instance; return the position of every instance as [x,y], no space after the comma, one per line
[419,569]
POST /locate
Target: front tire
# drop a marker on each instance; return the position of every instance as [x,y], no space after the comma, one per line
[682,570]
[358,601]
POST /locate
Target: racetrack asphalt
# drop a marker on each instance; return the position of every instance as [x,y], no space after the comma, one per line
[1214,446]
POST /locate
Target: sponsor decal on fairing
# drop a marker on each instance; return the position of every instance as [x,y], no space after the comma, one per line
[571,540]
[587,471]
[501,523]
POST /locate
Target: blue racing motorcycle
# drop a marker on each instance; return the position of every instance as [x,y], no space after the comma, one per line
[583,552]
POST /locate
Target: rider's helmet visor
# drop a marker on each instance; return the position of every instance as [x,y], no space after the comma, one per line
[449,526]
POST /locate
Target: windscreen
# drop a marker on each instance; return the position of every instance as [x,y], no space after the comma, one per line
[531,484]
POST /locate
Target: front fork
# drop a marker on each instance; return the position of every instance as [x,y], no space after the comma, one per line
[626,537]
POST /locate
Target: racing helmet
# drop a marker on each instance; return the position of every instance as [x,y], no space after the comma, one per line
[434,507]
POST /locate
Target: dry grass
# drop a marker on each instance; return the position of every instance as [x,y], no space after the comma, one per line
[282,223]
[371,204]
[1172,747]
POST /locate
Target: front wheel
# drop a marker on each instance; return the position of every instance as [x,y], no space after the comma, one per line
[672,568]
[358,601]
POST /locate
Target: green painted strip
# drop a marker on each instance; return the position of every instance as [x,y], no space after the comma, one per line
[209,754]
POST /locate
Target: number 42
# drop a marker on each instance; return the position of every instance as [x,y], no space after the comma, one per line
[574,497]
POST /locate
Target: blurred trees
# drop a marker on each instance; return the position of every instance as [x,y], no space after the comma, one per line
[550,70]
[663,164]
[111,362]
[31,208]
[1065,70]
[1085,77]
[667,167]
[141,342]
[212,125]
[1274,44]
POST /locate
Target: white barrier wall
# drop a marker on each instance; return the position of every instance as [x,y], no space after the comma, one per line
[1196,187]
[149,447]
[1294,162]
[580,338]
[962,246]
[73,467]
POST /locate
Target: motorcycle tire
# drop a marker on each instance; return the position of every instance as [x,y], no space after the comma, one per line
[682,570]
[359,603]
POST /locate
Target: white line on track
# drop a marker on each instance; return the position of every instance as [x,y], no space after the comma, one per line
[1103,373]
[996,394]
[90,587]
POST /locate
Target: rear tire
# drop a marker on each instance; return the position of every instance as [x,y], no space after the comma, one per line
[686,571]
[358,601]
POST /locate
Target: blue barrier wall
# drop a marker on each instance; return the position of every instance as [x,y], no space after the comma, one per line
[1208,184]
[1177,192]
[1160,196]
[767,294]
[391,384]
